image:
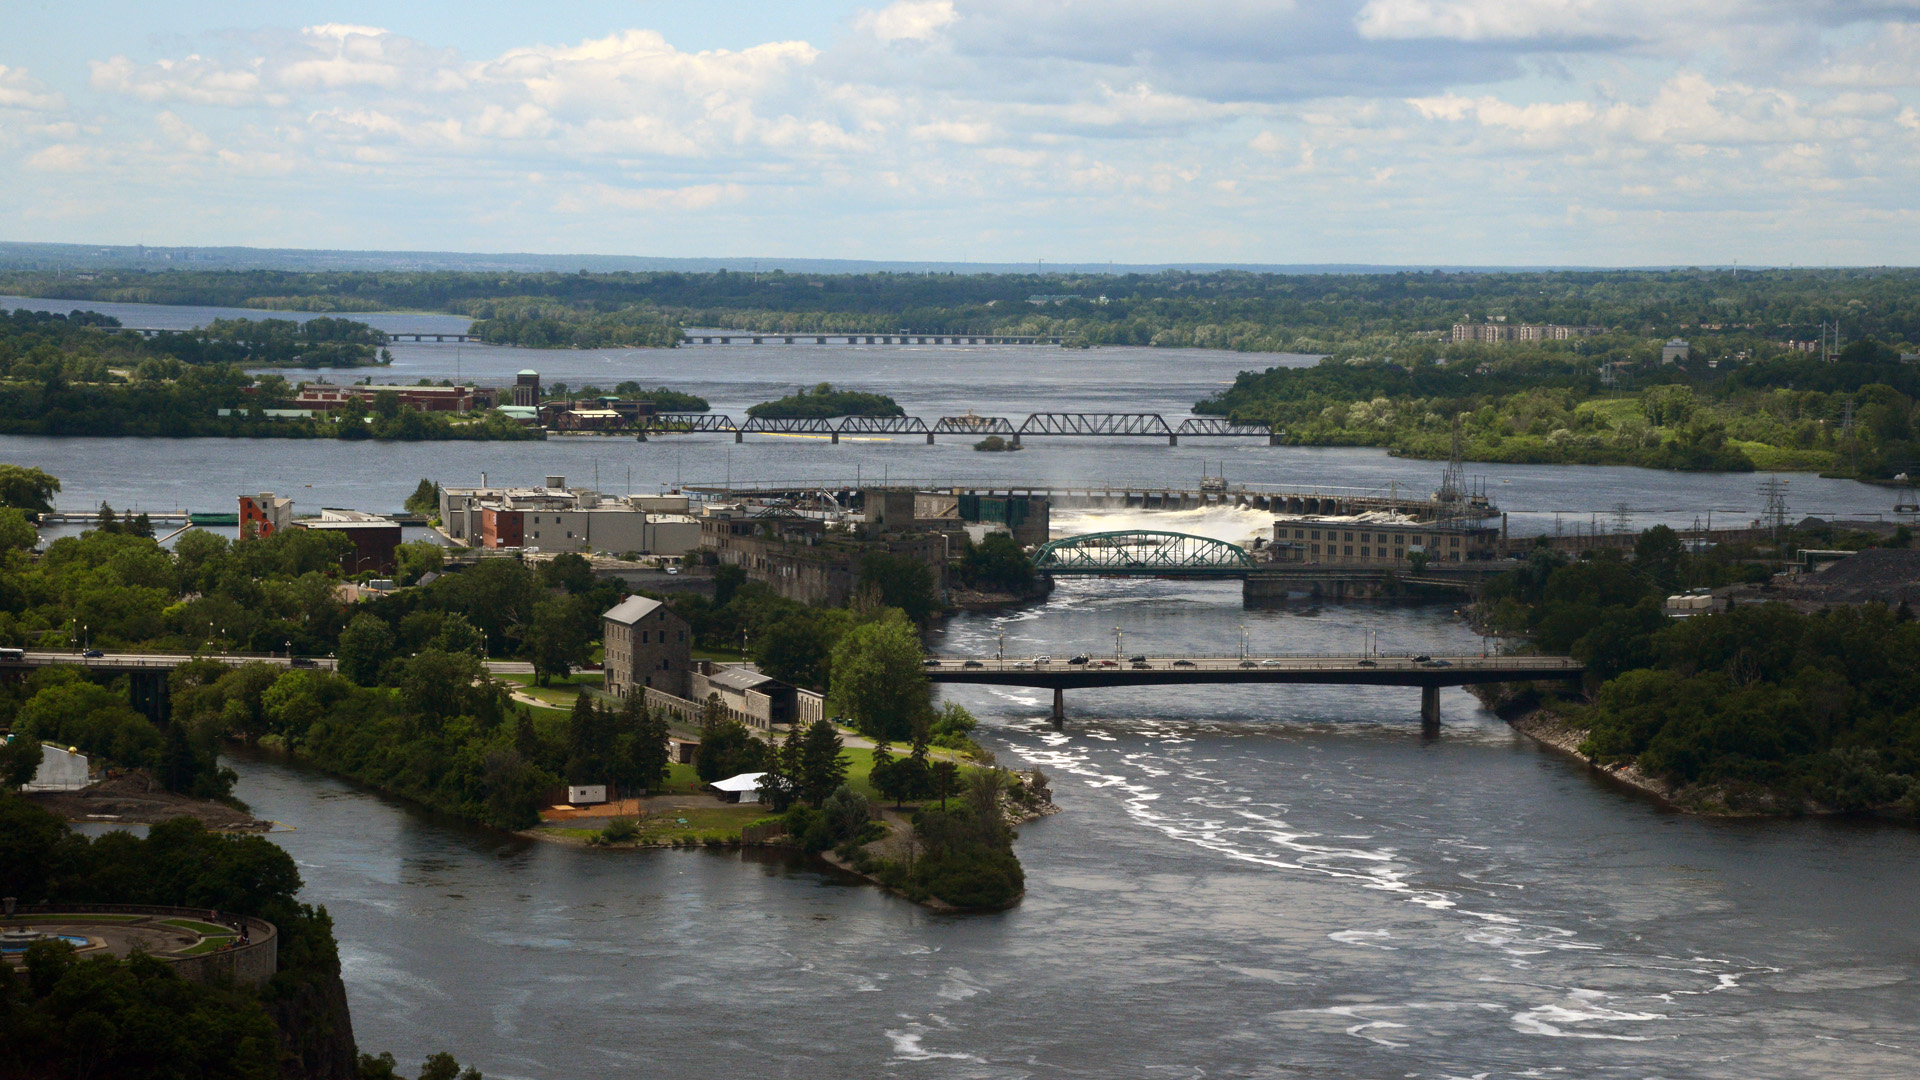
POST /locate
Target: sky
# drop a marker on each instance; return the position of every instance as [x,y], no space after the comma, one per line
[1396,132]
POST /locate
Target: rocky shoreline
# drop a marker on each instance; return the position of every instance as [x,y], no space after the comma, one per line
[1551,729]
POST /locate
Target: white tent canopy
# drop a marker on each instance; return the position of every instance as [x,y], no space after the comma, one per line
[746,786]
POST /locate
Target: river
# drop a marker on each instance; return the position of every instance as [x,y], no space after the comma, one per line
[1244,881]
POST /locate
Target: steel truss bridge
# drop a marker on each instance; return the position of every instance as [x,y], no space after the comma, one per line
[1040,424]
[1428,674]
[1143,553]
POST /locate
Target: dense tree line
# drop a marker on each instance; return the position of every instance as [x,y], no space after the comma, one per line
[1757,708]
[1552,403]
[824,402]
[1229,309]
[76,375]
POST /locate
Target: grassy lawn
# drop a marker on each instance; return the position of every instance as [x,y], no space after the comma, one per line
[721,820]
[207,946]
[199,927]
[75,917]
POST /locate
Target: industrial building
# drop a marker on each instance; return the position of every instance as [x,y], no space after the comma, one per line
[1359,542]
[556,518]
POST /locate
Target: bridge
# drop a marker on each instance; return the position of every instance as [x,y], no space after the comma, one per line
[1043,424]
[904,337]
[1427,673]
[1143,553]
[1145,495]
[391,335]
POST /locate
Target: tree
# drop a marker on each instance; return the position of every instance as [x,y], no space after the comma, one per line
[425,499]
[558,637]
[901,582]
[1658,554]
[643,752]
[879,681]
[882,775]
[847,813]
[945,778]
[727,748]
[567,571]
[820,768]
[416,559]
[16,532]
[20,758]
[366,645]
[28,489]
[457,635]
[589,743]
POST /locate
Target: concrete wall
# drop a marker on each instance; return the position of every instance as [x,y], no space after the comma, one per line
[59,770]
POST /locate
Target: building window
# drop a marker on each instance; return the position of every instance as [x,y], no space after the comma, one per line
[1349,549]
[1316,536]
[1349,536]
[1315,547]
[1301,534]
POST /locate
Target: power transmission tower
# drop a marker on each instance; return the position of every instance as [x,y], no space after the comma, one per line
[1452,496]
[1622,517]
[1774,517]
[1846,434]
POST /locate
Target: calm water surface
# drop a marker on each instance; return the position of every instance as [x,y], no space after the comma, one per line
[1273,882]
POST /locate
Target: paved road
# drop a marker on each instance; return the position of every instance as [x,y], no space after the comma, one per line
[1339,670]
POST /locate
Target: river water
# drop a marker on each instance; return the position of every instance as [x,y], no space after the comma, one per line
[1274,882]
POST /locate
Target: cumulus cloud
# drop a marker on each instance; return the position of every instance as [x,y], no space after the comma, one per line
[1204,118]
[18,90]
[908,20]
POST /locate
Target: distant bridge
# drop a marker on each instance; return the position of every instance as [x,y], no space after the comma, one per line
[905,337]
[1040,424]
[391,335]
[1143,553]
[1308,499]
[1429,674]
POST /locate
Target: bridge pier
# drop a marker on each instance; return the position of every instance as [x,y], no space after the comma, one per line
[1430,709]
[1059,705]
[738,437]
[1173,440]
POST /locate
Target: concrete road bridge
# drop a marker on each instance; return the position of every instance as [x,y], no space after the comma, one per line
[1429,674]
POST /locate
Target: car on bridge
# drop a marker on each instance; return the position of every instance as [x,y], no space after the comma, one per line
[1078,660]
[1183,663]
[92,654]
[1248,663]
[1368,663]
[1437,663]
[973,663]
[931,661]
[1043,658]
[1140,661]
[1269,663]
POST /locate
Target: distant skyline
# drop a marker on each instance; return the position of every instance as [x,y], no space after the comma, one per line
[1358,132]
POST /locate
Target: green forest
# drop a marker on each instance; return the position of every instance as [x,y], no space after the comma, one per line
[77,375]
[1553,403]
[1374,315]
[1761,709]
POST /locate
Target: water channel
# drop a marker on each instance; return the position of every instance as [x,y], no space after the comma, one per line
[1244,881]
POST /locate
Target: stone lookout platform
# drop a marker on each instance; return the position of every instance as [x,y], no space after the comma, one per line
[202,946]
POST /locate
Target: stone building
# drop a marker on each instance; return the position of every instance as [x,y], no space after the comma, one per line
[1336,542]
[647,645]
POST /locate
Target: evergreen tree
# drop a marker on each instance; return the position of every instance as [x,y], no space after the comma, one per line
[820,768]
[882,776]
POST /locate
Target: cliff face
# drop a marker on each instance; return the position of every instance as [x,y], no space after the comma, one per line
[316,1030]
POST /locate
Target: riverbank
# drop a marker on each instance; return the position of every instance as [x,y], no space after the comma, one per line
[134,798]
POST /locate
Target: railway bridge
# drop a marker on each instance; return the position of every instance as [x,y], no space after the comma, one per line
[1036,425]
